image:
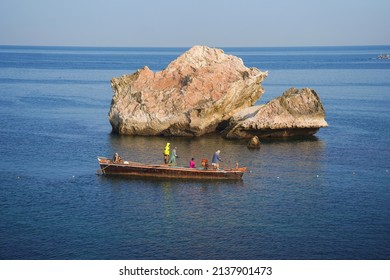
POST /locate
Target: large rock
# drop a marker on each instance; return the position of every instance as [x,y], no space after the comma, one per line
[192,96]
[295,113]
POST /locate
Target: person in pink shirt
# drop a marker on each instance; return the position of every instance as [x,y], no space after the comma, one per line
[192,163]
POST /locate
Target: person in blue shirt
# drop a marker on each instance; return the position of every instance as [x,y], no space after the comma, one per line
[216,159]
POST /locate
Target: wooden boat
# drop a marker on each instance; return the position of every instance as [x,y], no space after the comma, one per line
[128,168]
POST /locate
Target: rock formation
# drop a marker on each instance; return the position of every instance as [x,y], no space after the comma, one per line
[192,96]
[254,143]
[204,90]
[296,112]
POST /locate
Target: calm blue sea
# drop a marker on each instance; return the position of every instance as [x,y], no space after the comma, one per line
[327,197]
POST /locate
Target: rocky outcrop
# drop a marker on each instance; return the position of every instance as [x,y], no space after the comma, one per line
[254,143]
[296,112]
[205,90]
[192,96]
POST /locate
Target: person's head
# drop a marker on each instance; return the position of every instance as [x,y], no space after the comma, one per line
[218,152]
[192,159]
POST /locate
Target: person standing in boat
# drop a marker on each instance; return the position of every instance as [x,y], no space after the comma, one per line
[166,153]
[172,159]
[117,158]
[216,159]
[192,163]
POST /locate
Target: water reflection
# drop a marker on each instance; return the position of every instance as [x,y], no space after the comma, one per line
[297,161]
[167,215]
[294,158]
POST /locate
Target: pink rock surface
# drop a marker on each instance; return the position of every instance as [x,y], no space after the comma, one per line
[200,89]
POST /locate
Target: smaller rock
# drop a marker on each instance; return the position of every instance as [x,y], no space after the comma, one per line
[295,113]
[254,143]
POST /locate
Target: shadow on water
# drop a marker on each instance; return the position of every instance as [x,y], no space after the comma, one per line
[297,157]
[277,158]
[149,149]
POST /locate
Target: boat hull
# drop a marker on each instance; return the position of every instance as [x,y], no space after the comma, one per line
[164,171]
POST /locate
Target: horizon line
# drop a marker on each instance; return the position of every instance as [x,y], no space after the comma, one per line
[167,47]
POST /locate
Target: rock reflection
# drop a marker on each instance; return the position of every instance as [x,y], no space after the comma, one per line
[276,158]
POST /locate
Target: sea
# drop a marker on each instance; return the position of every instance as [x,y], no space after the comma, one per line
[325,197]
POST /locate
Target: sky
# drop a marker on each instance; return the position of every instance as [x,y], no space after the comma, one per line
[183,23]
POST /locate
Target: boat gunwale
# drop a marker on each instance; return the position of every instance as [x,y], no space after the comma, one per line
[105,162]
[168,167]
